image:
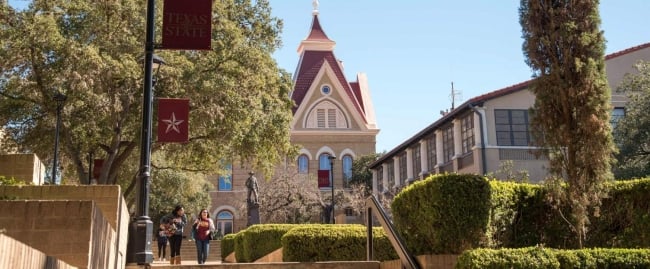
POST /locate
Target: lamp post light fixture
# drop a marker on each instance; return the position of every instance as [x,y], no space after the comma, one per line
[332,158]
[141,229]
[60,100]
[157,62]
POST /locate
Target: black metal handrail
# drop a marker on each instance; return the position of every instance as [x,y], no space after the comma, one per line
[395,240]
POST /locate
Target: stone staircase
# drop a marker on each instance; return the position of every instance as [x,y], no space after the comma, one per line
[188,251]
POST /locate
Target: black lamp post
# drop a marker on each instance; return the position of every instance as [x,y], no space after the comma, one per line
[141,230]
[60,100]
[332,158]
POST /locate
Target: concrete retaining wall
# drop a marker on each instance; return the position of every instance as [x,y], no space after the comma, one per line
[109,203]
[18,255]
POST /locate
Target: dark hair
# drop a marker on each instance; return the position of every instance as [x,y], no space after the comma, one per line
[176,209]
[205,211]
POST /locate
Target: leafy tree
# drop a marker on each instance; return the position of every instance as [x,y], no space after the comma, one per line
[570,118]
[361,174]
[171,188]
[289,197]
[92,51]
[632,132]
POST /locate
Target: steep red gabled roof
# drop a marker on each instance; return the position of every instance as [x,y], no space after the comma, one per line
[310,64]
[316,32]
[357,93]
[312,59]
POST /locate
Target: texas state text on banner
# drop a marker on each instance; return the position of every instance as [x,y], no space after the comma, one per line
[173,120]
[187,24]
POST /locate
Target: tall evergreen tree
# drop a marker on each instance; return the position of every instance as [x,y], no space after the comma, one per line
[564,47]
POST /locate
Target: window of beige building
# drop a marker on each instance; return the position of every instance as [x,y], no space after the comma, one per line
[417,165]
[324,164]
[225,180]
[391,174]
[224,222]
[303,164]
[448,143]
[617,114]
[402,169]
[380,178]
[347,170]
[512,127]
[431,152]
[467,133]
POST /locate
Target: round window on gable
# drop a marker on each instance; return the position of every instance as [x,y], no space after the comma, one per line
[326,89]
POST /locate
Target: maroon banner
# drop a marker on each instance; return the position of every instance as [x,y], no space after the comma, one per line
[97,167]
[323,178]
[173,120]
[187,25]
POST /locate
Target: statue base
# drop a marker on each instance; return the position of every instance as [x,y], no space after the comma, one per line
[253,214]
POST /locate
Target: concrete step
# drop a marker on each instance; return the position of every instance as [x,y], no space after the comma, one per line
[188,251]
[276,265]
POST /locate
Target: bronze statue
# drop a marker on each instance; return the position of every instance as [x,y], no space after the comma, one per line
[251,184]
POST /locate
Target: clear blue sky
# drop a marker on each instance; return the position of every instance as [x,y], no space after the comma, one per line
[411,50]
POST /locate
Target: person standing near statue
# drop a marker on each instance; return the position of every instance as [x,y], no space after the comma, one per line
[251,184]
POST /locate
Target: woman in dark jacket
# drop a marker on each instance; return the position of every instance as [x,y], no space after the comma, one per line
[174,223]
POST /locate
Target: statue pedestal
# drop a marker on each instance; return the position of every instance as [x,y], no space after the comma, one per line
[253,214]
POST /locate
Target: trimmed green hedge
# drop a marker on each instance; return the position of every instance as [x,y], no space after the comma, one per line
[521,217]
[227,245]
[314,243]
[535,257]
[443,214]
[625,217]
[240,250]
[447,214]
[262,239]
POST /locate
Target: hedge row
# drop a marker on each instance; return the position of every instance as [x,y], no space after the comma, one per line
[447,214]
[259,240]
[307,242]
[227,245]
[543,258]
[443,214]
[334,243]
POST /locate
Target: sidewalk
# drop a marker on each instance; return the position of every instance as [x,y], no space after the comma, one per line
[191,261]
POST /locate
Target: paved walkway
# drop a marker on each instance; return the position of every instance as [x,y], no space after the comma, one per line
[156,262]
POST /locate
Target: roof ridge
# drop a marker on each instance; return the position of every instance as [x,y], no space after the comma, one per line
[626,51]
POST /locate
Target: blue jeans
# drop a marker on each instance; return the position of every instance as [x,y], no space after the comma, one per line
[202,250]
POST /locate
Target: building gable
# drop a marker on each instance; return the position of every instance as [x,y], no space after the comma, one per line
[327,95]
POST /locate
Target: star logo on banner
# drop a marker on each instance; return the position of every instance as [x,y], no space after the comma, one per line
[173,123]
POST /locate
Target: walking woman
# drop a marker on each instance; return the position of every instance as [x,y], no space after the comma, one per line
[174,222]
[202,229]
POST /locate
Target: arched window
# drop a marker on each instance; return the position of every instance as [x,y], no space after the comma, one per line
[224,222]
[225,180]
[303,164]
[324,164]
[347,170]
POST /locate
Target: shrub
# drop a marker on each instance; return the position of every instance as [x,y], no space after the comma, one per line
[312,243]
[443,214]
[240,250]
[624,220]
[536,257]
[227,245]
[262,239]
